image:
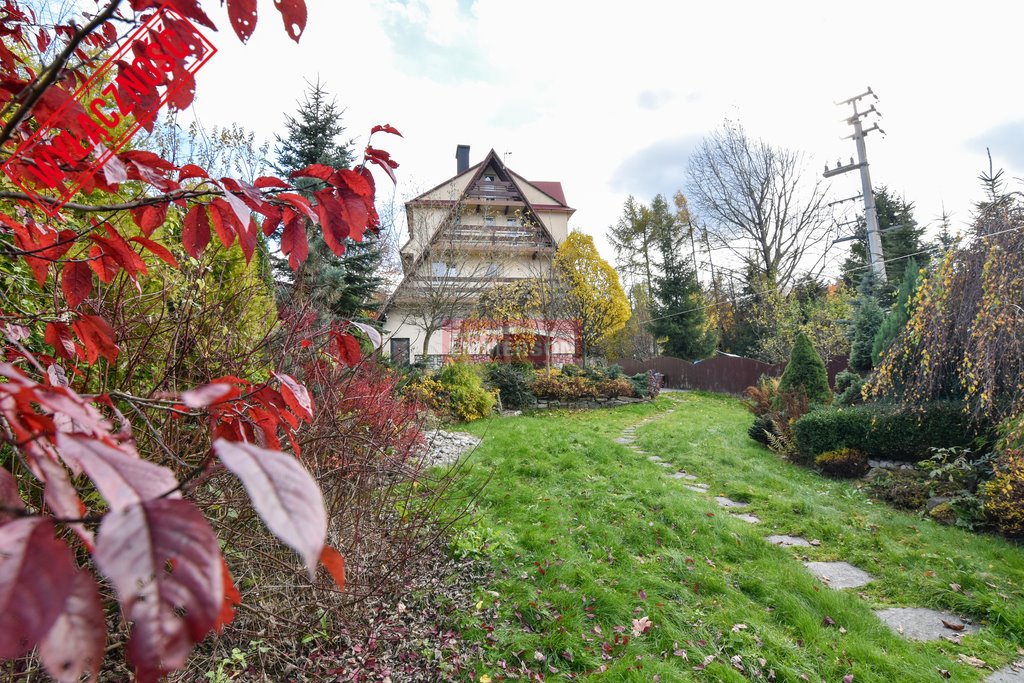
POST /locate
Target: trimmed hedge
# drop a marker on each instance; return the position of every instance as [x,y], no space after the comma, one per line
[885,431]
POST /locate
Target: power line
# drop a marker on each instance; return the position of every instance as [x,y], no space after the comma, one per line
[744,297]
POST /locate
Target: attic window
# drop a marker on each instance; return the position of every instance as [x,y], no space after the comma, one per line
[489,178]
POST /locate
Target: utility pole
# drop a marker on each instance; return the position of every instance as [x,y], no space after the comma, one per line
[875,256]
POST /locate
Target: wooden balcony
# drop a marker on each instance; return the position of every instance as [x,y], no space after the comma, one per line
[496,191]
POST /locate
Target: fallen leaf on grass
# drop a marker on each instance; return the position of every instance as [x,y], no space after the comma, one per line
[953,627]
[944,673]
[848,678]
[736,628]
[828,621]
[973,661]
[955,586]
[641,626]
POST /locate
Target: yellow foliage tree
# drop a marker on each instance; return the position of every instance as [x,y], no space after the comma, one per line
[593,294]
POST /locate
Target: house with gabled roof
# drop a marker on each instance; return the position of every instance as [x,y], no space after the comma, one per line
[485,226]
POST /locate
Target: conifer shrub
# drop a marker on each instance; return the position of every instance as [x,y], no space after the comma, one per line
[806,373]
[512,381]
[847,463]
[849,386]
[463,396]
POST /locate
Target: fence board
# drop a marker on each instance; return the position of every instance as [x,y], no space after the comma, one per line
[722,373]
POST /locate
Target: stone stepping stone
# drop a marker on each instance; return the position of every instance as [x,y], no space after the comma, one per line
[787,541]
[654,458]
[683,475]
[919,623]
[727,503]
[664,464]
[751,519]
[699,488]
[623,440]
[1011,673]
[839,575]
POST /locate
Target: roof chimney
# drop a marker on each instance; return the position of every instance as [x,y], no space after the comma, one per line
[462,158]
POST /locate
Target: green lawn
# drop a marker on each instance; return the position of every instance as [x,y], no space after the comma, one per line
[593,536]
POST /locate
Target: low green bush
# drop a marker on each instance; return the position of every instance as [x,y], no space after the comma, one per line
[613,388]
[847,463]
[885,431]
[904,489]
[762,428]
[848,389]
[512,381]
[464,394]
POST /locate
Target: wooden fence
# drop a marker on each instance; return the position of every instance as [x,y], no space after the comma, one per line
[722,373]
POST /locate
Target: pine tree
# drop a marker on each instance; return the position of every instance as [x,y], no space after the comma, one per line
[806,372]
[899,315]
[338,286]
[901,237]
[867,320]
[678,314]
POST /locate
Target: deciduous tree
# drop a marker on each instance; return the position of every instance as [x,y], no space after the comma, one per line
[593,295]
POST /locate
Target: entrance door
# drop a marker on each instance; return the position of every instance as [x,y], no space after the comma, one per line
[400,351]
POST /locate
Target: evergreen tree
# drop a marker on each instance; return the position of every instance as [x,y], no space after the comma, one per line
[867,320]
[806,372]
[338,286]
[899,315]
[678,314]
[901,237]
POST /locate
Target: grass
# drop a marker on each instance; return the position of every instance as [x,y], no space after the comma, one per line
[588,536]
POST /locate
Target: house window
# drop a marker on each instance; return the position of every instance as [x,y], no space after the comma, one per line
[442,269]
[492,270]
[489,178]
[488,220]
[400,350]
[512,222]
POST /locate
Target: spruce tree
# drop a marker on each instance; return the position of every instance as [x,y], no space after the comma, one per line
[337,286]
[678,314]
[806,372]
[867,320]
[898,316]
[901,236]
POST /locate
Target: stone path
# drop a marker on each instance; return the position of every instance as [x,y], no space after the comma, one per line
[839,575]
[788,541]
[914,623]
[918,623]
[1011,673]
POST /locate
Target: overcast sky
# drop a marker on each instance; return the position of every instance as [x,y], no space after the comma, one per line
[610,98]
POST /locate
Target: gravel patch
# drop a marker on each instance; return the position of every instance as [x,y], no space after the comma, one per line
[445,448]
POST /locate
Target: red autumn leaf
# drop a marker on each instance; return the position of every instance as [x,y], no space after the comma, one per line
[195,235]
[158,250]
[163,560]
[191,171]
[76,282]
[9,497]
[333,220]
[357,214]
[318,171]
[97,336]
[386,128]
[232,599]
[294,14]
[369,331]
[224,221]
[75,643]
[103,264]
[284,495]
[294,244]
[36,571]
[200,397]
[242,14]
[354,181]
[334,563]
[149,218]
[300,203]
[120,478]
[346,349]
[296,396]
[270,181]
[58,335]
[247,239]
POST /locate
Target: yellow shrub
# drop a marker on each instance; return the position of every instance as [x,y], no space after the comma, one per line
[1003,496]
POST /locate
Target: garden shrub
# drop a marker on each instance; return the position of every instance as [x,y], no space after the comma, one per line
[558,386]
[760,398]
[806,372]
[848,463]
[1003,496]
[904,489]
[885,431]
[645,385]
[513,381]
[762,429]
[848,389]
[613,388]
[454,392]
